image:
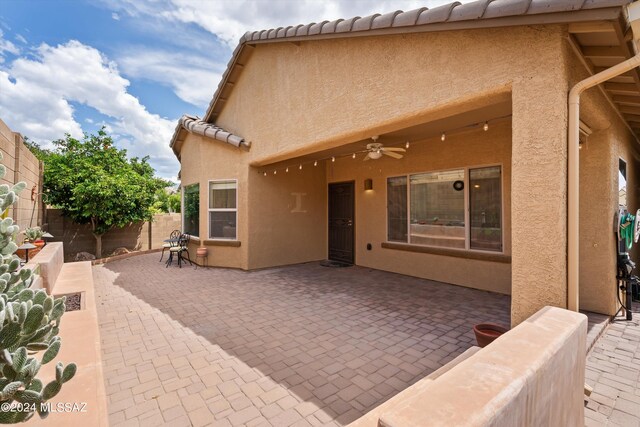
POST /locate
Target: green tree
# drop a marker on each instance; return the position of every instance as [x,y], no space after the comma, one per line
[94,183]
[166,202]
[34,147]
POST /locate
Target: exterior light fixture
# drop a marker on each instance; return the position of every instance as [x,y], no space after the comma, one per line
[300,167]
[443,137]
[275,172]
[286,170]
[486,126]
[265,174]
[354,156]
[315,163]
[406,145]
[333,159]
[368,184]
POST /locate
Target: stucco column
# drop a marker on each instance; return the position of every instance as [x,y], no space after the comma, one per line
[539,194]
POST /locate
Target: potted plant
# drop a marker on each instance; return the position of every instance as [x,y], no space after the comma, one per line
[34,235]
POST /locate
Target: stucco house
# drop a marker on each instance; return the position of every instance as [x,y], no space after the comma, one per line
[290,162]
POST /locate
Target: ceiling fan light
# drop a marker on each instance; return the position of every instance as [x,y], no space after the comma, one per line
[375,155]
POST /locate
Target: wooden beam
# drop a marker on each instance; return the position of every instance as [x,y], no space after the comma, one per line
[591,27]
[632,118]
[603,52]
[627,74]
[627,109]
[622,88]
[627,100]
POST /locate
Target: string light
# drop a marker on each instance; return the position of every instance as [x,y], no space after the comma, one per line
[443,136]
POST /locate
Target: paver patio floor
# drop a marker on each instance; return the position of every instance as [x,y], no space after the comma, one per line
[300,345]
[613,370]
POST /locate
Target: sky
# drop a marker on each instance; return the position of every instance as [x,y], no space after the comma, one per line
[134,66]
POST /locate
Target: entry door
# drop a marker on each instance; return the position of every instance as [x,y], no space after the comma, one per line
[341,222]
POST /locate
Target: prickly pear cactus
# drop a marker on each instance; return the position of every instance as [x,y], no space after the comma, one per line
[29,322]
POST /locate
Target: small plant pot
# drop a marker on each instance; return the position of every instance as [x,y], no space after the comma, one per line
[202,252]
[486,333]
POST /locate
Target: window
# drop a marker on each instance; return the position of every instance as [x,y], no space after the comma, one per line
[430,209]
[191,210]
[397,209]
[222,209]
[485,208]
[437,209]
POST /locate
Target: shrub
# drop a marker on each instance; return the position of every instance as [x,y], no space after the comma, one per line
[29,322]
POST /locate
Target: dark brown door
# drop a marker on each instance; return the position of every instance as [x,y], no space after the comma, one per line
[341,222]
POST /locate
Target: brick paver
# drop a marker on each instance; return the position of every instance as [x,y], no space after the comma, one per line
[299,345]
[613,369]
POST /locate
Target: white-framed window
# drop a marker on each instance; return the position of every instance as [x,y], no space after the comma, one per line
[223,209]
[191,209]
[458,208]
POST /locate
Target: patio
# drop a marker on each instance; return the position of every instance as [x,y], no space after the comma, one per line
[298,345]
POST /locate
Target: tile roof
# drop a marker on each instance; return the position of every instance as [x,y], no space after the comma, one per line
[195,125]
[478,14]
[452,12]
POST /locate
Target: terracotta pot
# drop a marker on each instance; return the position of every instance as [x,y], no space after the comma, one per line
[202,251]
[486,333]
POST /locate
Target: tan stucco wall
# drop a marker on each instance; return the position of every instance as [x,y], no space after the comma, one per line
[287,217]
[203,160]
[470,148]
[610,140]
[294,99]
[21,165]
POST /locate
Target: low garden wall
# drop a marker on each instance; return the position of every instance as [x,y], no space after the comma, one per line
[135,237]
[531,376]
[82,401]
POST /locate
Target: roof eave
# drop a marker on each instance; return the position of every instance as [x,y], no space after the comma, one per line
[191,124]
[250,39]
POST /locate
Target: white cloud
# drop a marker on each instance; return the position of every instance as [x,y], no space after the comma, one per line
[115,16]
[21,39]
[230,19]
[193,78]
[37,94]
[7,46]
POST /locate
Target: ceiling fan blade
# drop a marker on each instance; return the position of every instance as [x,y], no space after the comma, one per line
[402,150]
[366,158]
[392,154]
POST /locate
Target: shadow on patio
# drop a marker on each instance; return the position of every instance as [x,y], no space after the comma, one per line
[340,341]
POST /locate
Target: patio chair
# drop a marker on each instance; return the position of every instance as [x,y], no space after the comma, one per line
[179,250]
[175,234]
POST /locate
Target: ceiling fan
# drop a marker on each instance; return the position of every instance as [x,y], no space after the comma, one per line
[375,150]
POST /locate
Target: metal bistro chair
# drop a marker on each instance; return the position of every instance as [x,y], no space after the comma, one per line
[182,247]
[175,235]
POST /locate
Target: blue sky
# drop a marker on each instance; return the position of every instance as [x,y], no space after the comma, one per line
[134,66]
